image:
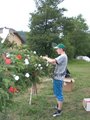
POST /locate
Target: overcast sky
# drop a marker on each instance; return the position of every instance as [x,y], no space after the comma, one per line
[15,13]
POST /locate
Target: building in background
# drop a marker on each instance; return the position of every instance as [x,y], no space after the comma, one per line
[18,37]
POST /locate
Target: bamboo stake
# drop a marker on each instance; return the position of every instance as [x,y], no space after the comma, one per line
[30,99]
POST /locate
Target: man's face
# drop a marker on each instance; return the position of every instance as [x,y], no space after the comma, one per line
[59,50]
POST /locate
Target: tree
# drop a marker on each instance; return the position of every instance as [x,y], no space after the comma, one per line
[80,37]
[48,26]
[76,33]
[45,25]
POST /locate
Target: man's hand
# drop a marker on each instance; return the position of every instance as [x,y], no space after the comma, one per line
[50,60]
[44,57]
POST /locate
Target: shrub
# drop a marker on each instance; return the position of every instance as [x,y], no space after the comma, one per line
[19,69]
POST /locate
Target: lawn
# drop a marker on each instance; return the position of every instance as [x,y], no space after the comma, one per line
[43,103]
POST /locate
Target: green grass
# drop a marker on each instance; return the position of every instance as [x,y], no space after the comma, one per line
[42,104]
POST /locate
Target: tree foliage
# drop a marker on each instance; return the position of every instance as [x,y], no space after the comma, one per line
[48,22]
[76,32]
[45,25]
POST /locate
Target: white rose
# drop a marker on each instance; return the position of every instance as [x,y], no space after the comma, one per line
[39,65]
[27,75]
[7,54]
[35,65]
[37,68]
[34,52]
[41,68]
[41,56]
[26,61]
[16,78]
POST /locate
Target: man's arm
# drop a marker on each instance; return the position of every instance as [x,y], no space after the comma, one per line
[50,60]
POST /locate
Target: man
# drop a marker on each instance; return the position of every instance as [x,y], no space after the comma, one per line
[58,75]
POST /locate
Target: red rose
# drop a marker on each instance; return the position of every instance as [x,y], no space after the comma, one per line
[12,90]
[19,57]
[8,61]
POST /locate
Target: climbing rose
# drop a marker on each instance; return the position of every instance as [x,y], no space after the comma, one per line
[16,78]
[27,75]
[12,90]
[8,61]
[26,61]
[19,57]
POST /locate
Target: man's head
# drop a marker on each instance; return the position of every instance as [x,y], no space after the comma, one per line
[60,48]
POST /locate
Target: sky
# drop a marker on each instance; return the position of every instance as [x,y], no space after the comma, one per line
[15,13]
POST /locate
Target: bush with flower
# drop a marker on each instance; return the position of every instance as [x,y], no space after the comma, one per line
[20,68]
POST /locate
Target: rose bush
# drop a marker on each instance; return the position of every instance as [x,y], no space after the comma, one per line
[23,69]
